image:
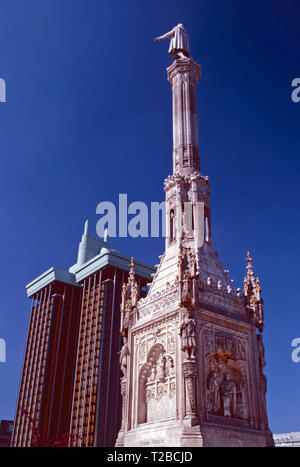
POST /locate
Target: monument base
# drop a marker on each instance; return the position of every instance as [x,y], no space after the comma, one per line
[120,440]
[156,434]
[218,436]
[182,434]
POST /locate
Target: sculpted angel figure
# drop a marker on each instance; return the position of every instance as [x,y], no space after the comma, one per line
[179,44]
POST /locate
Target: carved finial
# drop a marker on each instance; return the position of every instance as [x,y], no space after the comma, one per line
[258,288]
[252,294]
[248,280]
[130,296]
[250,272]
[131,268]
[124,287]
[180,259]
[245,286]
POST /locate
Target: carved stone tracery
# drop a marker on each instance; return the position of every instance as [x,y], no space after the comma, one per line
[157,385]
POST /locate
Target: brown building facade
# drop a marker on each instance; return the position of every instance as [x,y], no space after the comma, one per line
[69,391]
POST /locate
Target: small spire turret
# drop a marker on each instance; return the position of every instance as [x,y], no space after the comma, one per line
[252,294]
[130,296]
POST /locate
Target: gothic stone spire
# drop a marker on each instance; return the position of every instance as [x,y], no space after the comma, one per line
[186,189]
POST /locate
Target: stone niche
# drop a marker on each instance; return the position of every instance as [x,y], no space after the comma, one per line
[226,386]
[157,386]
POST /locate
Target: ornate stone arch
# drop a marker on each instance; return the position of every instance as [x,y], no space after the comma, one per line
[156,391]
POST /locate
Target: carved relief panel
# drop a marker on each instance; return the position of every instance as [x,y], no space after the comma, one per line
[225,375]
[157,374]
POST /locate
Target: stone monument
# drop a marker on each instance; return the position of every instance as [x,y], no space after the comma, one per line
[193,356]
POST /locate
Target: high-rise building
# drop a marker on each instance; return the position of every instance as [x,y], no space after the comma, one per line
[69,391]
[6,429]
[192,356]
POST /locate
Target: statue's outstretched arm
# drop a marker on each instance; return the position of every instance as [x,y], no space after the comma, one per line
[165,36]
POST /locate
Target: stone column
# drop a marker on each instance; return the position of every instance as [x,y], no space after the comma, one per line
[184,75]
[178,211]
[263,402]
[120,439]
[190,376]
[168,224]
[198,214]
[123,394]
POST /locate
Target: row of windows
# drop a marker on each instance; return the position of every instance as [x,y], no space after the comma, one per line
[88,317]
[84,401]
[87,347]
[87,370]
[83,415]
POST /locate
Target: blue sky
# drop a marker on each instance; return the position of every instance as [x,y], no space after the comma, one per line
[88,116]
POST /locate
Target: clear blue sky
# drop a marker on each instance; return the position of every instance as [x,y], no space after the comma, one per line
[88,116]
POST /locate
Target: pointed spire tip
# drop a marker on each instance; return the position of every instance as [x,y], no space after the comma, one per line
[86,227]
[106,235]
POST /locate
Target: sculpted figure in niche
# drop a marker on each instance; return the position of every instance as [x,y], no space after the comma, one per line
[123,357]
[188,333]
[241,353]
[161,367]
[126,317]
[261,353]
[169,366]
[187,288]
[214,401]
[228,393]
[242,406]
[172,226]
